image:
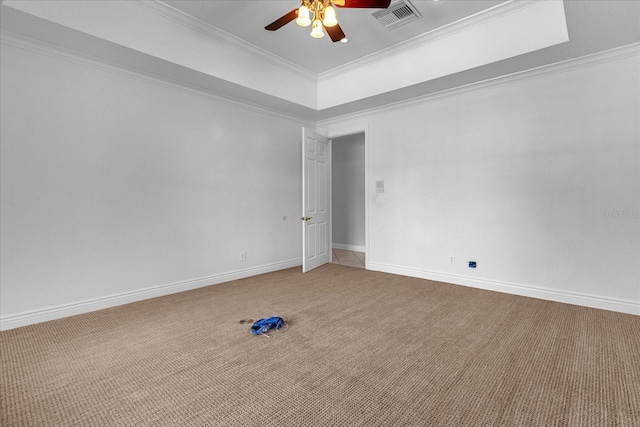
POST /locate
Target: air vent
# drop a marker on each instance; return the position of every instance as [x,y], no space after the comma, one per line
[397,14]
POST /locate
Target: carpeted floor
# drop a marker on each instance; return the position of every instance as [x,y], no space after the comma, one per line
[362,349]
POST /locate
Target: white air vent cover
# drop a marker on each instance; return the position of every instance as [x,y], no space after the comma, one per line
[397,14]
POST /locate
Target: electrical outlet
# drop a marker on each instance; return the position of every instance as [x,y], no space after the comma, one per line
[452,260]
[243,256]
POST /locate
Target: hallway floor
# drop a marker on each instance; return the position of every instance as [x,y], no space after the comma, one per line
[348,258]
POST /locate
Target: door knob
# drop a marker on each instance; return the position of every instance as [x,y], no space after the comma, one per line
[306,218]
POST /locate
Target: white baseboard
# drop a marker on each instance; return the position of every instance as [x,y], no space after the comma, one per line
[57,312]
[344,247]
[575,298]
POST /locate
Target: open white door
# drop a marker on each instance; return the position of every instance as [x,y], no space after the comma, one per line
[316,200]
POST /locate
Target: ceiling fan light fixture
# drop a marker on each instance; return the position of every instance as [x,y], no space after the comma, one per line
[322,15]
[330,17]
[316,29]
[303,16]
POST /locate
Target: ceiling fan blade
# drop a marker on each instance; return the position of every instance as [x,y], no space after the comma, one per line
[335,32]
[284,20]
[374,4]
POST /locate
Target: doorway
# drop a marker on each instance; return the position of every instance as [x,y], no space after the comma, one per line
[348,200]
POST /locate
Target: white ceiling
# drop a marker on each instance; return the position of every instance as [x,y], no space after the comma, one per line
[593,26]
[246,20]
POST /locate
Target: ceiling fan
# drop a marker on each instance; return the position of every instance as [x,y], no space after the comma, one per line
[322,14]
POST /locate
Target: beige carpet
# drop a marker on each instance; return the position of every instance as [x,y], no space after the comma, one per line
[362,349]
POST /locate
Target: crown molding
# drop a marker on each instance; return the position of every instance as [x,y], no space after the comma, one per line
[615,54]
[460,25]
[169,12]
[41,47]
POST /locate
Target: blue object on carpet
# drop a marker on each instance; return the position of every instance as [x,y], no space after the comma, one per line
[262,326]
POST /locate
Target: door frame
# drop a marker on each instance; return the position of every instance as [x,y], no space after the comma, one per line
[337,133]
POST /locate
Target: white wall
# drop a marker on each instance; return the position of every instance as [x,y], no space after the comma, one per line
[348,197]
[116,188]
[536,178]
